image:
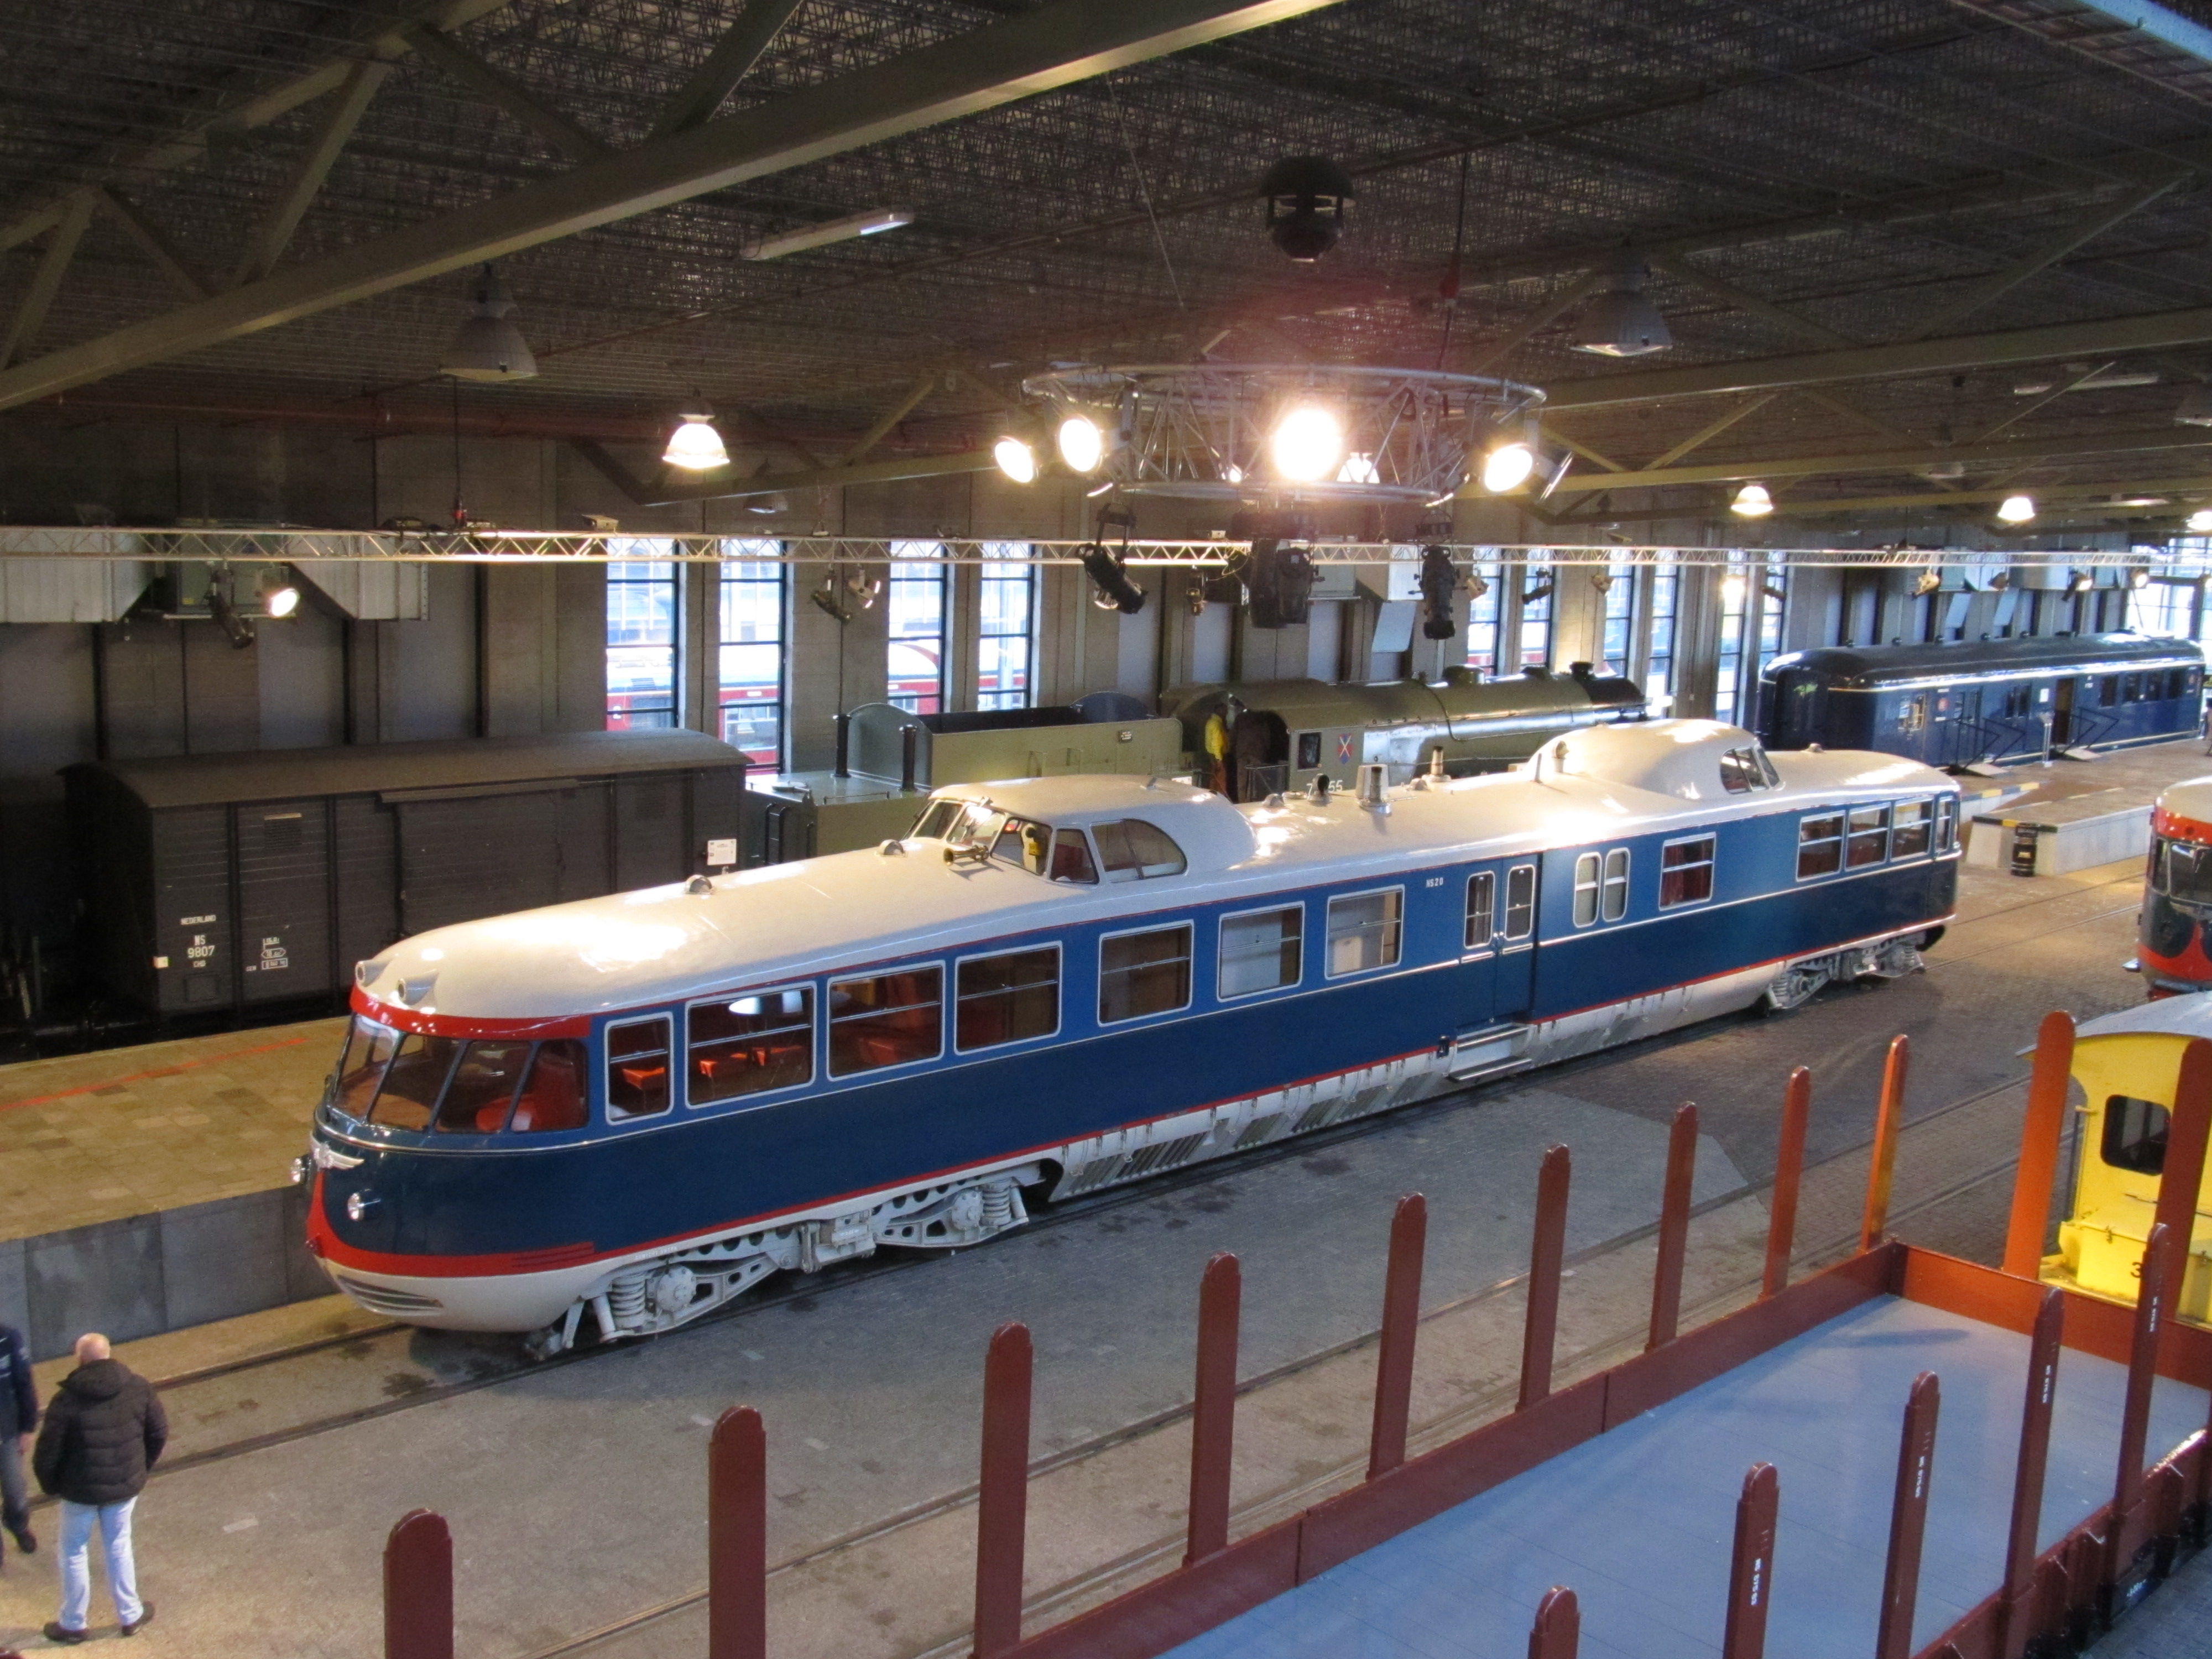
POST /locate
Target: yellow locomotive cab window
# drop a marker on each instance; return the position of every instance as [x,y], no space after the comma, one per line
[2135,1134]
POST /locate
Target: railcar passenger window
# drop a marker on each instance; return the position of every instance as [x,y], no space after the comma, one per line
[1481,909]
[886,1019]
[1006,998]
[414,1080]
[750,1044]
[1869,843]
[553,1092]
[1364,931]
[482,1089]
[2019,699]
[1261,951]
[1147,973]
[1908,833]
[1685,872]
[1616,885]
[637,1068]
[1071,858]
[1820,845]
[2108,690]
[2135,1134]
[1947,824]
[1586,875]
[1131,849]
[367,1051]
[1520,902]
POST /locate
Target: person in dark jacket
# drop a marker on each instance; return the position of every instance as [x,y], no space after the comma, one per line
[104,1430]
[19,1415]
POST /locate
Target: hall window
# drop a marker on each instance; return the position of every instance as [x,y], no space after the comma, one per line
[1685,872]
[750,696]
[643,606]
[1659,655]
[886,1019]
[1009,998]
[1262,951]
[1005,637]
[1536,622]
[1365,931]
[915,616]
[1736,602]
[1147,973]
[1482,622]
[750,1044]
[1616,644]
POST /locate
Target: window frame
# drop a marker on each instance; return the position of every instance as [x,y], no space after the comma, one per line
[1525,940]
[1059,995]
[1710,863]
[1927,825]
[816,1029]
[780,702]
[1843,818]
[940,573]
[1022,554]
[1613,885]
[607,1064]
[1189,927]
[1853,836]
[1487,944]
[2161,1133]
[1588,879]
[828,1072]
[672,582]
[1329,934]
[1947,826]
[1221,953]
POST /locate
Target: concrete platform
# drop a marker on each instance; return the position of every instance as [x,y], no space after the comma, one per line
[1637,1522]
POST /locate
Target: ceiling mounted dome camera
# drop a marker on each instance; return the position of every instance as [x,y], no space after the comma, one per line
[1306,196]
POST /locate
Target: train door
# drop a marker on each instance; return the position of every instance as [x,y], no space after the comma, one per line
[2062,714]
[1512,976]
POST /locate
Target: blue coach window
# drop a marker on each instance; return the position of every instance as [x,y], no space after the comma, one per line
[1685,872]
[1908,829]
[1147,973]
[1820,845]
[750,1044]
[1262,951]
[1364,931]
[637,1068]
[1616,885]
[886,1019]
[1481,909]
[1870,840]
[1586,884]
[1520,902]
[1006,998]
[1946,824]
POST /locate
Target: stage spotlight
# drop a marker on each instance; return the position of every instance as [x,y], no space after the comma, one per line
[1110,575]
[1438,581]
[1308,444]
[1016,459]
[280,597]
[1082,445]
[1507,465]
[1277,574]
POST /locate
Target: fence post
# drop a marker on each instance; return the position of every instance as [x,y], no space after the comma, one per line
[1673,1227]
[1547,1256]
[2135,1417]
[2039,1135]
[736,1536]
[1789,1168]
[1401,1322]
[1002,1501]
[1751,1569]
[2021,1620]
[1557,1632]
[418,1589]
[1883,1171]
[1213,1410]
[2181,1176]
[1908,1519]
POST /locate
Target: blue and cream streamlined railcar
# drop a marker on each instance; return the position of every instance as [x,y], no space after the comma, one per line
[632,1109]
[2001,701]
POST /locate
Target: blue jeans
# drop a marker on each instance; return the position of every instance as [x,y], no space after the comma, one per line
[113,1521]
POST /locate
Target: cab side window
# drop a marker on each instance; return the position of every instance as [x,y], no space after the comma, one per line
[414,1080]
[552,1095]
[2135,1134]
[1132,849]
[1071,858]
[637,1068]
[482,1089]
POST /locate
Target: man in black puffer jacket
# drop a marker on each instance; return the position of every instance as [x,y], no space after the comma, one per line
[104,1430]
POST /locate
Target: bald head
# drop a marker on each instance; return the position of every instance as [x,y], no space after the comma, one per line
[90,1346]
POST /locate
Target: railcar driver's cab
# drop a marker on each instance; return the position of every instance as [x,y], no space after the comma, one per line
[2127,1066]
[389,1083]
[1083,831]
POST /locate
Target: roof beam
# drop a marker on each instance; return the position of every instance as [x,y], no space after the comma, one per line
[151,242]
[137,165]
[1712,429]
[2153,330]
[733,56]
[1679,266]
[47,281]
[274,235]
[551,126]
[1054,46]
[2008,453]
[890,417]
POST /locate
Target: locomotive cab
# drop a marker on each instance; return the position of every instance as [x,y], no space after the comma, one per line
[2178,892]
[2127,1065]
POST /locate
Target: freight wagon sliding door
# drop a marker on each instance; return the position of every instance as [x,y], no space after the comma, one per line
[462,856]
[283,900]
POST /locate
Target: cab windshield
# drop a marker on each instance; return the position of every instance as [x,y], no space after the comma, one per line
[452,1085]
[2181,870]
[957,823]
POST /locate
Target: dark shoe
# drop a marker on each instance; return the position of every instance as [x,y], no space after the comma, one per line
[68,1638]
[145,1618]
[28,1541]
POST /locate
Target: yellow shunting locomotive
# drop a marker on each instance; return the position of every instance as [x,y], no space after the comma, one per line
[2127,1065]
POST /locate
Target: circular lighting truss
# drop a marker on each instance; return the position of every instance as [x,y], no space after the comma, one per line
[1267,435]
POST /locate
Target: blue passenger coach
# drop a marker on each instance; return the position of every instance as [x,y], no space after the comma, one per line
[632,1109]
[2000,702]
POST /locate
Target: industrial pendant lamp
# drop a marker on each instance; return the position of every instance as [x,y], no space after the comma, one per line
[695,446]
[1752,502]
[2016,509]
[1620,322]
[488,346]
